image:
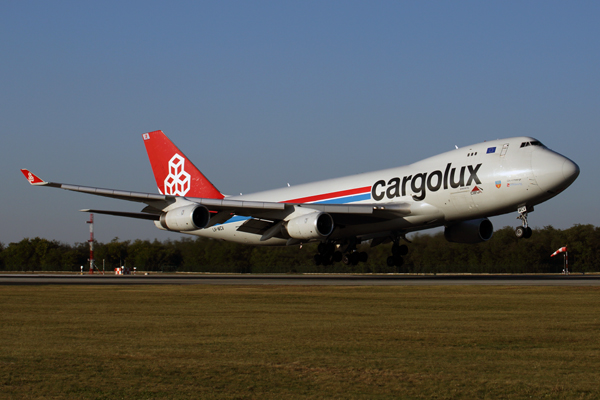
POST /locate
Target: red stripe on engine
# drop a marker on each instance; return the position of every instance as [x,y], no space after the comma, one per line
[327,196]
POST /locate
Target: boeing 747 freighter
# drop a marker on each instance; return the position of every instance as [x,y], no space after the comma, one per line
[458,189]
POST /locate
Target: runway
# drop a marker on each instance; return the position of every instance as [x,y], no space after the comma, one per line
[301,280]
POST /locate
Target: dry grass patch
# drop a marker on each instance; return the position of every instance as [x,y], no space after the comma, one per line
[221,342]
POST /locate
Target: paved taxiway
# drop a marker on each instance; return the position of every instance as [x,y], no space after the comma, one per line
[300,280]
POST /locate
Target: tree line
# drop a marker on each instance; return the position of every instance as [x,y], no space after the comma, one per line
[429,253]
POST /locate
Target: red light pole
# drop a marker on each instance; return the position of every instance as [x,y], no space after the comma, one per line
[91,242]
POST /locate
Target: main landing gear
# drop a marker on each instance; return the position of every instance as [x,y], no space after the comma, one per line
[523,232]
[328,254]
[398,251]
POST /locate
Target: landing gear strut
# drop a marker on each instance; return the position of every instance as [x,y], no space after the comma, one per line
[355,257]
[524,231]
[329,254]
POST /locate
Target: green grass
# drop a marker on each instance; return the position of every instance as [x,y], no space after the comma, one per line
[224,342]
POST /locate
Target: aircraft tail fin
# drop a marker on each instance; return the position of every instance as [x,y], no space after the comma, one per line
[175,174]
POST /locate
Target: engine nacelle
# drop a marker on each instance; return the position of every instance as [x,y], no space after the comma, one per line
[473,231]
[315,225]
[188,218]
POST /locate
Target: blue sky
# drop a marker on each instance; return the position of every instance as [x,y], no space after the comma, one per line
[262,93]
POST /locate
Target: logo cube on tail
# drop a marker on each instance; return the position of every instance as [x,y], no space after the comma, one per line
[177,183]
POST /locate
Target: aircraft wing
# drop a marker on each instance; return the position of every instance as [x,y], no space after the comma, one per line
[224,209]
[158,201]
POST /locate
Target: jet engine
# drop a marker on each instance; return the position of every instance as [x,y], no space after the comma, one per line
[473,231]
[188,218]
[315,225]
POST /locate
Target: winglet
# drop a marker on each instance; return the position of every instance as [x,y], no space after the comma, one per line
[33,179]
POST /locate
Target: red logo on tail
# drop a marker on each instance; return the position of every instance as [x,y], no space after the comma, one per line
[178,181]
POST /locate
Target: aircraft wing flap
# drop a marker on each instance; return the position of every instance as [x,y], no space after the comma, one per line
[398,209]
[118,194]
[218,204]
[151,210]
[256,226]
[262,205]
[340,208]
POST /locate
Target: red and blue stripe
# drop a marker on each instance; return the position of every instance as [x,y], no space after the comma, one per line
[339,197]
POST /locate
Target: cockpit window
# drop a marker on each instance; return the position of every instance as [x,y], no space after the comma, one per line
[532,143]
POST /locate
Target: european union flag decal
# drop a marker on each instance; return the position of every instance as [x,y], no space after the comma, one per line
[491,150]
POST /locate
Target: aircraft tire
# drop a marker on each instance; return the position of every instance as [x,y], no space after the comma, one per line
[337,256]
[363,256]
[322,247]
[528,233]
[398,261]
[400,250]
[520,232]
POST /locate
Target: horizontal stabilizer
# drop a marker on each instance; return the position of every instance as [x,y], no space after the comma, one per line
[152,217]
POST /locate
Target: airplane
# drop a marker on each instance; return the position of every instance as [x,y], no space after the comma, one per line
[459,190]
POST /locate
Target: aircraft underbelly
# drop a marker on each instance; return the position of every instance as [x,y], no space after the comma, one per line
[230,233]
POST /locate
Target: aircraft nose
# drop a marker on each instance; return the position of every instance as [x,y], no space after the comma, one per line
[553,172]
[570,171]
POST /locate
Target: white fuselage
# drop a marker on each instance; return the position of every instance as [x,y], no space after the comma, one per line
[482,180]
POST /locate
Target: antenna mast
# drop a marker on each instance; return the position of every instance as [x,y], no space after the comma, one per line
[91,242]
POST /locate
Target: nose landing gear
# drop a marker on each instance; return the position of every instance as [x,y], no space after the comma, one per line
[523,232]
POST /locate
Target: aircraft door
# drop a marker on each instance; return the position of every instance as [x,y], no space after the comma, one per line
[513,174]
